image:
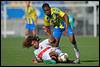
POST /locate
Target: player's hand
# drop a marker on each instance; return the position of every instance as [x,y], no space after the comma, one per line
[34,61]
[45,28]
[65,32]
[22,22]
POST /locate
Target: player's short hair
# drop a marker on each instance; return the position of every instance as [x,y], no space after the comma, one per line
[27,42]
[45,5]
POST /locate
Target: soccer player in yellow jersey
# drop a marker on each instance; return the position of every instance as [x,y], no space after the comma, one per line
[30,19]
[60,22]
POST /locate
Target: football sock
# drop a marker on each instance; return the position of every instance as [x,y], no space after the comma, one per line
[77,53]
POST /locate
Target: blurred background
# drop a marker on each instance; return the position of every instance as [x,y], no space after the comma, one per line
[86,27]
[86,14]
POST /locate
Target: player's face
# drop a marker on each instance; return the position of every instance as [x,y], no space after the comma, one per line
[53,55]
[47,11]
[27,3]
[35,44]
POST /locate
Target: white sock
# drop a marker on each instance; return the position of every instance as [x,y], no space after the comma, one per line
[77,53]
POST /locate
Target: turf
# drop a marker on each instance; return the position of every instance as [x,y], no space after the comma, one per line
[13,53]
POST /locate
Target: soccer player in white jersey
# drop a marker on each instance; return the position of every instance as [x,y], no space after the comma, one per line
[44,52]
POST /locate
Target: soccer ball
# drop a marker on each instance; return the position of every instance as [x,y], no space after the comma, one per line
[63,57]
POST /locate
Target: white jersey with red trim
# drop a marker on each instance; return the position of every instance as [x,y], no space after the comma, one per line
[43,45]
[44,49]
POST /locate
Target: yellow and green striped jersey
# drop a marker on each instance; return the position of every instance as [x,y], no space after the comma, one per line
[30,14]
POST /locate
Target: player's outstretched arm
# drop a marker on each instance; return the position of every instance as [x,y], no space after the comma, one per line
[65,17]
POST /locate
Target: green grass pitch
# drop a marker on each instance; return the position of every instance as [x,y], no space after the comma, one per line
[13,54]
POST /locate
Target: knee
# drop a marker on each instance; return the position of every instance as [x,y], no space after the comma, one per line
[56,44]
[74,42]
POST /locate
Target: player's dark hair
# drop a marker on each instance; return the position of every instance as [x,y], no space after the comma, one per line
[27,42]
[35,38]
[45,5]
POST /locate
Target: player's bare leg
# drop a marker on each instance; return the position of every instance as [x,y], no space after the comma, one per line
[34,32]
[49,33]
[56,44]
[26,33]
[77,52]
